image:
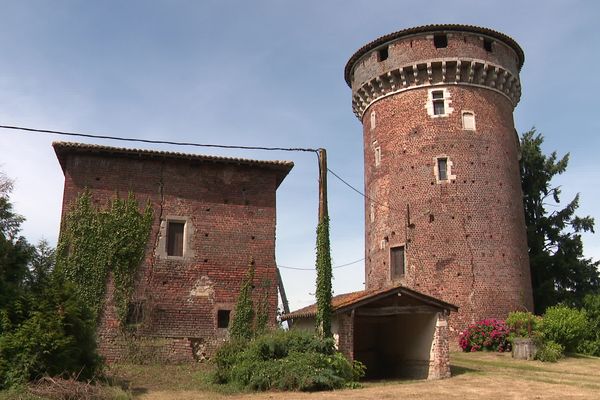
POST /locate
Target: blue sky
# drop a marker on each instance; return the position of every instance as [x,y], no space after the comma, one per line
[267,73]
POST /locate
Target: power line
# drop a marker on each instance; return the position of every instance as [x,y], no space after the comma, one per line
[313,269]
[361,193]
[125,139]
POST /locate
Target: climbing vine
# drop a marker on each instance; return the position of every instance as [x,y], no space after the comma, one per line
[241,326]
[95,242]
[262,312]
[324,275]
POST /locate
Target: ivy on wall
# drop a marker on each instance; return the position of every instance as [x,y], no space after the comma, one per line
[95,242]
[241,326]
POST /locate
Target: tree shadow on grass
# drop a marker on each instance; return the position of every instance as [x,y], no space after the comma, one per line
[456,370]
[125,384]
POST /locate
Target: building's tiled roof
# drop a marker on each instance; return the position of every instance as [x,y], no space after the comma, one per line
[63,149]
[431,28]
[347,301]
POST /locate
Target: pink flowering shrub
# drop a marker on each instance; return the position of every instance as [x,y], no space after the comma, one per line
[489,334]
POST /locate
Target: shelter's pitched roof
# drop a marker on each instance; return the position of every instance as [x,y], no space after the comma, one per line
[63,149]
[348,301]
[431,28]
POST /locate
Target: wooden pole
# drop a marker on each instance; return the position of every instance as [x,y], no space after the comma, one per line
[322,184]
[324,274]
[284,300]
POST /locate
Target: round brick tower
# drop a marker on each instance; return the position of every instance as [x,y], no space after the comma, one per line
[444,213]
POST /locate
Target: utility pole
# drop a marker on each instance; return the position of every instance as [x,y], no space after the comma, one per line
[324,274]
[323,213]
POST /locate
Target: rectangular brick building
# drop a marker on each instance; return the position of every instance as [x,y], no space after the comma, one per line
[212,215]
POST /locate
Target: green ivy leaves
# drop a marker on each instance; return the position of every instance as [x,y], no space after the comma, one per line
[95,242]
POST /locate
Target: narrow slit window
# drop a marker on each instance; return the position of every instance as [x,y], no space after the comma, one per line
[487,45]
[377,156]
[175,238]
[440,41]
[373,120]
[382,54]
[442,164]
[223,318]
[397,261]
[438,102]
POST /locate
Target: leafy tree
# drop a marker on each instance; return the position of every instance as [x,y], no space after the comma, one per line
[41,266]
[15,252]
[559,271]
[44,327]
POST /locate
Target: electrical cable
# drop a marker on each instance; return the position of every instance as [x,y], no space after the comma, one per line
[313,269]
[125,139]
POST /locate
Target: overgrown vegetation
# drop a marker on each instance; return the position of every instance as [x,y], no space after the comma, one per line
[560,329]
[285,360]
[256,359]
[523,324]
[324,276]
[591,344]
[242,326]
[565,326]
[44,327]
[248,322]
[96,242]
[549,351]
[559,271]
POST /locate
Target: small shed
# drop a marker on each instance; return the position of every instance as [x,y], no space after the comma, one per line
[396,332]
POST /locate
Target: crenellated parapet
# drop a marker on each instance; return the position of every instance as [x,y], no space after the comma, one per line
[437,72]
[434,55]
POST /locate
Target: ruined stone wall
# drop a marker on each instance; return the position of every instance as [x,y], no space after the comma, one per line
[230,218]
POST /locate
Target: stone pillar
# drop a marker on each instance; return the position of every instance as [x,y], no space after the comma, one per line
[346,334]
[439,357]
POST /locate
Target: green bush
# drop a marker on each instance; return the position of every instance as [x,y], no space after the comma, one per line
[55,336]
[565,326]
[523,324]
[549,351]
[591,305]
[284,360]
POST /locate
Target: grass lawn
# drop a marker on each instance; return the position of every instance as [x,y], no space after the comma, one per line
[474,375]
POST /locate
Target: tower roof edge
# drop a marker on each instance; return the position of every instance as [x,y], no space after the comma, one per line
[431,28]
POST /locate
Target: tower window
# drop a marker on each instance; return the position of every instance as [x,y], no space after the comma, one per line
[442,167]
[468,119]
[135,313]
[438,102]
[382,54]
[175,238]
[440,41]
[373,120]
[223,318]
[377,156]
[487,45]
[372,212]
[397,261]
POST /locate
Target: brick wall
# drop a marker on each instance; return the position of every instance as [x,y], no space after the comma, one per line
[465,239]
[420,48]
[232,211]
